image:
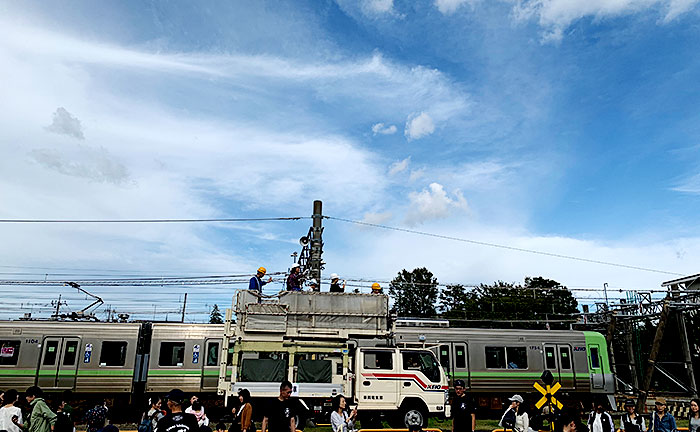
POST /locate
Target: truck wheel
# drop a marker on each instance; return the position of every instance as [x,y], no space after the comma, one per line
[414,415]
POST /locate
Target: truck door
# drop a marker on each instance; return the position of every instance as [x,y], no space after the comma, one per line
[378,380]
[59,363]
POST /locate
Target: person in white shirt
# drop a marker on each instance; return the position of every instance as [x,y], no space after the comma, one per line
[8,411]
[599,420]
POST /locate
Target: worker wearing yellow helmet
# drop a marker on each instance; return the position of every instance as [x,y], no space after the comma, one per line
[256,282]
[376,288]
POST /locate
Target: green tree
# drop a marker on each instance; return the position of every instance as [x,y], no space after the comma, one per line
[505,304]
[215,316]
[415,293]
[457,302]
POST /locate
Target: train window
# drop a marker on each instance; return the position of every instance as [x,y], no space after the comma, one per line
[445,356]
[213,354]
[495,357]
[564,357]
[171,354]
[51,352]
[378,360]
[9,352]
[549,358]
[517,357]
[460,357]
[595,360]
[71,353]
[113,354]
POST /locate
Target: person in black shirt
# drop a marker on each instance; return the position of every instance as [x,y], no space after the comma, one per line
[335,284]
[279,414]
[176,420]
[463,410]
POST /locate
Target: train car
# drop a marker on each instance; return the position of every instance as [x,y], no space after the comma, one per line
[119,362]
[184,356]
[86,357]
[497,363]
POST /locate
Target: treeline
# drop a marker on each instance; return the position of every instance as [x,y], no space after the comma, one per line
[537,303]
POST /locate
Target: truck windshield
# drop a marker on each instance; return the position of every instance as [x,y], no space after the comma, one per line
[423,361]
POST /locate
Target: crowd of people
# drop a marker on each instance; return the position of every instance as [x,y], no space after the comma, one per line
[183,414]
[516,419]
[295,281]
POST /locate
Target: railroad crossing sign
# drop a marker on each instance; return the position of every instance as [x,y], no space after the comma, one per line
[548,392]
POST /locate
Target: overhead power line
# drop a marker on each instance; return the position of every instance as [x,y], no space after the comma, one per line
[500,246]
[294,218]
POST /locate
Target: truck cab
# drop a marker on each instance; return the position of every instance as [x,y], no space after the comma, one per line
[329,344]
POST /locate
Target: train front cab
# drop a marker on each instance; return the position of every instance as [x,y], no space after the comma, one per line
[602,380]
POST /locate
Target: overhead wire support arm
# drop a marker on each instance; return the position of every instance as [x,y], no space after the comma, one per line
[98,300]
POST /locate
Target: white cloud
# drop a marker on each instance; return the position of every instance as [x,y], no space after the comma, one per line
[417,174]
[449,6]
[399,166]
[64,123]
[555,16]
[433,203]
[382,129]
[689,185]
[377,218]
[419,126]
[97,165]
[378,6]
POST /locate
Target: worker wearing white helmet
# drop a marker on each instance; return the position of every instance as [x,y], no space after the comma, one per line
[335,284]
[295,278]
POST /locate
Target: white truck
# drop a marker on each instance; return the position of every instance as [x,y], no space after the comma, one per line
[328,344]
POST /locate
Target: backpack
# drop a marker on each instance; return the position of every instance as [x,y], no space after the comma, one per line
[146,425]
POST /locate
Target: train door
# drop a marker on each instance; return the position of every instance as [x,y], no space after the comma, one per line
[59,363]
[378,383]
[595,366]
[454,360]
[210,365]
[566,367]
[550,361]
[461,363]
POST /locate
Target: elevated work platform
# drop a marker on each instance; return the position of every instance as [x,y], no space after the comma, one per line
[309,314]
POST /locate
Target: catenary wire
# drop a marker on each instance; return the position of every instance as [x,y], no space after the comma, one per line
[292,218]
[500,246]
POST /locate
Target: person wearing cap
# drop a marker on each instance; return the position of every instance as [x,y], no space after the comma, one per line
[631,421]
[376,288]
[463,410]
[662,420]
[599,420]
[176,420]
[256,282]
[515,418]
[335,284]
[294,278]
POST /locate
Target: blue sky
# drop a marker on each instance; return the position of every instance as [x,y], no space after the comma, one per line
[568,127]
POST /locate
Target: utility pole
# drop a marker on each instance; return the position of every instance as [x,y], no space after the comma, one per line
[315,262]
[655,347]
[184,305]
[58,305]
